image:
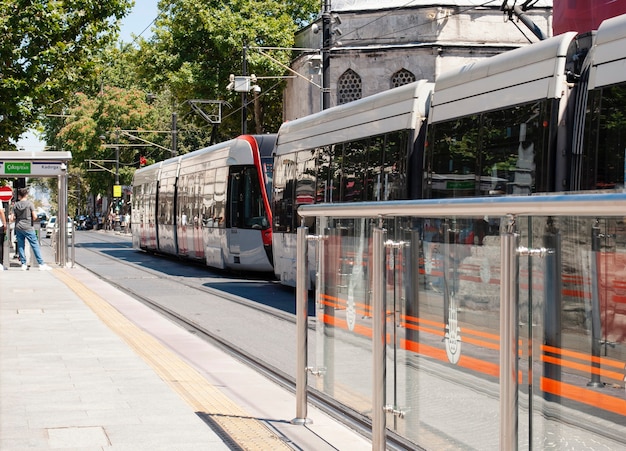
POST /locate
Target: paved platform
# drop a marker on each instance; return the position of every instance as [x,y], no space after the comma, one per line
[84,366]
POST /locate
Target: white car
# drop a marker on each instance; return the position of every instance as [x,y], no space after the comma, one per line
[51,227]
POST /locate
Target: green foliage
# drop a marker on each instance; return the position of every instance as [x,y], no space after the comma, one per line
[198,44]
[47,50]
[94,132]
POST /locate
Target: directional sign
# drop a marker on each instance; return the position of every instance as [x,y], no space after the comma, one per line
[6,193]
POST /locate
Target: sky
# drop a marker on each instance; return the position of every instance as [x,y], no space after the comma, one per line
[142,15]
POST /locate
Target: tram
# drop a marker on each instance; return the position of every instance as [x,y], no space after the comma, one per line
[545,118]
[210,206]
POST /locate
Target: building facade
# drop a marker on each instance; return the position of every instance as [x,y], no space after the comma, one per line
[380,44]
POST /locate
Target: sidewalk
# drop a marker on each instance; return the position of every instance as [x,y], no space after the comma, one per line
[84,366]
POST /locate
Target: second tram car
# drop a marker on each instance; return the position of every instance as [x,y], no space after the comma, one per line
[210,206]
[359,151]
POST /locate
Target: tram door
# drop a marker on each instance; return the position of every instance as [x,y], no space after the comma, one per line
[236,196]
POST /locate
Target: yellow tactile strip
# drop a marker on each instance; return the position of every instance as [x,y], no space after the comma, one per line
[248,432]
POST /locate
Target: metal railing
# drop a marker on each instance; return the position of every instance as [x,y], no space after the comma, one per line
[510,208]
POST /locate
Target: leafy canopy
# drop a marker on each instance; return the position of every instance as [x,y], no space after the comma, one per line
[48,50]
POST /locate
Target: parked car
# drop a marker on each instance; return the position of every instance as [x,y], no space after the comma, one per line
[43,220]
[52,226]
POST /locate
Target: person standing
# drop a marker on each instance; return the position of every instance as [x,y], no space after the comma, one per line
[24,213]
[3,224]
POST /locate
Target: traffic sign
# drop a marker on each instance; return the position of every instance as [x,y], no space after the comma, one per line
[6,193]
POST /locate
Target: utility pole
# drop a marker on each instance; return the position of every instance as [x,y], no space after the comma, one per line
[244,94]
[117,157]
[174,135]
[326,55]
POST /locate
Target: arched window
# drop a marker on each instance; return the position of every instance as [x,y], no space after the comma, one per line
[349,87]
[402,77]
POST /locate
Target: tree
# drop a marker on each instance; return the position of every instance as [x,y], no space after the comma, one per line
[198,44]
[95,131]
[47,51]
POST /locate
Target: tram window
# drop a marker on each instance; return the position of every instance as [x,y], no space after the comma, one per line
[512,152]
[337,160]
[283,196]
[495,153]
[267,167]
[305,183]
[221,176]
[208,201]
[450,158]
[354,170]
[326,168]
[197,197]
[605,146]
[394,166]
[166,203]
[254,214]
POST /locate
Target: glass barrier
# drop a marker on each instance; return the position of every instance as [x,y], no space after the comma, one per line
[442,305]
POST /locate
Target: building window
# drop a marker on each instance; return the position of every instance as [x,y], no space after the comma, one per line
[348,87]
[402,77]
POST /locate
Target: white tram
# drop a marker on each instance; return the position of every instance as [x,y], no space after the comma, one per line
[210,206]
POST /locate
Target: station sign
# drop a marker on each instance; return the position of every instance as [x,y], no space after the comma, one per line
[30,168]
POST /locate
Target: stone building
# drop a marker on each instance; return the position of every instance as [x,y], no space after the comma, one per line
[380,44]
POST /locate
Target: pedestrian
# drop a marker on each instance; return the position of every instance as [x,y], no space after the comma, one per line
[3,222]
[24,216]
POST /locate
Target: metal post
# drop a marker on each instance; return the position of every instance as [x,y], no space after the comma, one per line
[244,94]
[508,341]
[62,218]
[596,325]
[379,340]
[326,55]
[174,135]
[552,303]
[73,248]
[301,326]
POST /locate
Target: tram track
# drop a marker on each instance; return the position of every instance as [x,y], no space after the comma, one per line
[349,417]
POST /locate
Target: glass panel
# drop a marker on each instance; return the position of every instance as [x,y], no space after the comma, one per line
[495,153]
[605,146]
[283,196]
[443,329]
[578,332]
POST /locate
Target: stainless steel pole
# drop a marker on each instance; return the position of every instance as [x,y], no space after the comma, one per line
[508,342]
[301,326]
[379,337]
[62,219]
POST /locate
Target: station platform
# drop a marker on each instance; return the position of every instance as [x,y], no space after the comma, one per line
[84,366]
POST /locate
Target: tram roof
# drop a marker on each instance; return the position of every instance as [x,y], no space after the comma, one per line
[400,108]
[529,73]
[609,54]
